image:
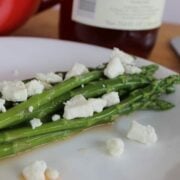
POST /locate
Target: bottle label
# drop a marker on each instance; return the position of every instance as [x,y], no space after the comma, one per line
[119,14]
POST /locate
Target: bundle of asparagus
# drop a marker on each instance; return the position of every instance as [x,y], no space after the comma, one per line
[138,91]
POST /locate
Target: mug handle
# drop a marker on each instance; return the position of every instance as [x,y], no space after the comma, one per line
[45,4]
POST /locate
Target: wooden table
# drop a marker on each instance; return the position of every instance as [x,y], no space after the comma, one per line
[46,25]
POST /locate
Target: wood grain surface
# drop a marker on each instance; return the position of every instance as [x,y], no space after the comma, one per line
[45,24]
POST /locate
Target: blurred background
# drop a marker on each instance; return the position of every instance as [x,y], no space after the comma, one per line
[172,11]
[49,24]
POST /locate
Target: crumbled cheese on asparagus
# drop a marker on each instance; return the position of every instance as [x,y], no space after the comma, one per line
[34,87]
[14,91]
[76,70]
[98,104]
[76,107]
[56,117]
[2,105]
[120,63]
[49,77]
[35,122]
[111,98]
[114,68]
[31,108]
[130,69]
[122,56]
[46,85]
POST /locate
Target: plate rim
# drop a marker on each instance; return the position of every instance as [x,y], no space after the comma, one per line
[17,38]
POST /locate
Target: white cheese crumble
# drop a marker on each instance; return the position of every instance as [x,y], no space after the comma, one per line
[130,69]
[75,100]
[111,98]
[34,87]
[46,85]
[114,68]
[35,122]
[35,171]
[115,146]
[98,104]
[56,117]
[77,107]
[141,133]
[49,77]
[31,108]
[14,91]
[2,107]
[120,63]
[76,70]
[122,56]
[52,174]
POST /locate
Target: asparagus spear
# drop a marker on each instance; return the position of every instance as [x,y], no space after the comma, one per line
[125,82]
[143,96]
[20,112]
[149,70]
[159,105]
[132,103]
[20,145]
[91,90]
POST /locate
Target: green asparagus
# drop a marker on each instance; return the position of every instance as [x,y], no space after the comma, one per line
[48,101]
[17,146]
[125,82]
[20,145]
[145,94]
[20,112]
[140,96]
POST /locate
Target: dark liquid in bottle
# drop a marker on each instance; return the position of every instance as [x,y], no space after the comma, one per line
[139,42]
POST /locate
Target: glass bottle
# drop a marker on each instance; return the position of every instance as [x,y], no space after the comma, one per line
[131,25]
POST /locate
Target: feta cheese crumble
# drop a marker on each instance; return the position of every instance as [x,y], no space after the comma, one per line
[111,98]
[114,68]
[130,69]
[35,171]
[124,58]
[31,108]
[115,146]
[98,104]
[120,63]
[52,174]
[2,107]
[49,77]
[14,91]
[76,70]
[56,117]
[141,133]
[46,85]
[75,100]
[34,87]
[77,107]
[35,122]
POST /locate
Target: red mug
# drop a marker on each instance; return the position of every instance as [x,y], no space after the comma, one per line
[14,13]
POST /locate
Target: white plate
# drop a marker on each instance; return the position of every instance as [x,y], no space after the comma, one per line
[83,157]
